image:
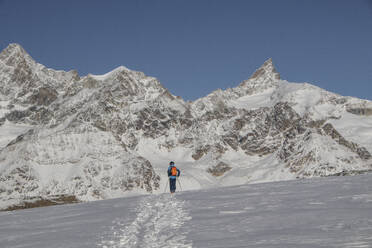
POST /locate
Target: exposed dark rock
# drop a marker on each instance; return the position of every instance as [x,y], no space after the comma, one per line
[360,111]
[43,96]
[90,83]
[283,117]
[21,137]
[361,151]
[18,116]
[266,68]
[200,152]
[316,124]
[41,115]
[218,170]
[352,173]
[44,202]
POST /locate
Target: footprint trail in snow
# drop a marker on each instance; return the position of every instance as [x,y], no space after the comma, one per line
[158,223]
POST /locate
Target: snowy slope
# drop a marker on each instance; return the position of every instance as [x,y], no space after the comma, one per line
[328,212]
[104,136]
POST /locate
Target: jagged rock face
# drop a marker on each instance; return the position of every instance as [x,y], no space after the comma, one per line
[360,111]
[65,116]
[87,136]
[319,151]
[20,75]
[265,78]
[219,169]
[266,69]
[43,96]
[93,168]
[361,151]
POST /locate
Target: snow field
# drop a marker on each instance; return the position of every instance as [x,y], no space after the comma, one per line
[329,212]
[157,223]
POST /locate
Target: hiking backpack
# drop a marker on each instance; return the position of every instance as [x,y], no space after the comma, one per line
[173,171]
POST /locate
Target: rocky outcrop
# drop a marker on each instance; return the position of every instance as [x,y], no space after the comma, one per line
[219,169]
[361,151]
[43,96]
[360,111]
[266,69]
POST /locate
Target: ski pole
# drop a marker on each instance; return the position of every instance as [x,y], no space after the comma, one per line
[166,186]
[179,183]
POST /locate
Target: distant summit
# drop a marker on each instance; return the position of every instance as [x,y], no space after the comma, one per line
[14,54]
[266,70]
[13,48]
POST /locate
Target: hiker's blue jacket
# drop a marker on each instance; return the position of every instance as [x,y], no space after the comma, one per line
[169,172]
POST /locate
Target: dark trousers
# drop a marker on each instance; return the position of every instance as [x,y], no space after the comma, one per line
[172,184]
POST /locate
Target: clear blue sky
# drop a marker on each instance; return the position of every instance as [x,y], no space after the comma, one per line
[195,47]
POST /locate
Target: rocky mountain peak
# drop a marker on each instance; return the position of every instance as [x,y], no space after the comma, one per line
[13,47]
[263,78]
[267,70]
[14,54]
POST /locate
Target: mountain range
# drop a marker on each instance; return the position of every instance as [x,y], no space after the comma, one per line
[104,136]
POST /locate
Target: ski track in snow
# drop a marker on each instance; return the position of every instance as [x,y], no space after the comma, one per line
[158,221]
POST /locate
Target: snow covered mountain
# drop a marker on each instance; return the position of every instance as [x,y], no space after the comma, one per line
[104,136]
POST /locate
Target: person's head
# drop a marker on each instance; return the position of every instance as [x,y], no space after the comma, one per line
[171,163]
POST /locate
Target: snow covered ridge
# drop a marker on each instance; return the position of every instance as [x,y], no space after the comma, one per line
[105,136]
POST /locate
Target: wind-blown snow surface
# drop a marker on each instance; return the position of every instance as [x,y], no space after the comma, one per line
[328,212]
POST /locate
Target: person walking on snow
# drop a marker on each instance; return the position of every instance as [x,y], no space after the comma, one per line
[173,173]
